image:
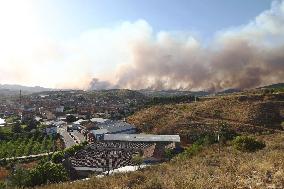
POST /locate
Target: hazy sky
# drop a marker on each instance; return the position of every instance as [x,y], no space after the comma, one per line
[69,18]
[66,43]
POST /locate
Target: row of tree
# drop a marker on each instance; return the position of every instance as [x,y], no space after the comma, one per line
[27,145]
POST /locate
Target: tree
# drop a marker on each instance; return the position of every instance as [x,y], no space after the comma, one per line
[73,149]
[57,157]
[16,128]
[31,124]
[20,178]
[2,135]
[48,173]
[71,118]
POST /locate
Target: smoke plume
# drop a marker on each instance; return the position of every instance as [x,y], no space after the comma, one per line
[96,84]
[244,57]
[132,55]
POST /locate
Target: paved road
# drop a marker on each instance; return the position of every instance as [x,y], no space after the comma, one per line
[68,140]
[27,157]
[71,138]
[79,137]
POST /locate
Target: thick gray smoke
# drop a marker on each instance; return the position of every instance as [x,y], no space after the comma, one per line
[243,57]
[238,64]
[96,84]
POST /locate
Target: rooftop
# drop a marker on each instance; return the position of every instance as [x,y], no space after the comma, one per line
[98,120]
[99,131]
[142,137]
[116,126]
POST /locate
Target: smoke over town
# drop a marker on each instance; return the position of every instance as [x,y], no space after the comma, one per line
[133,55]
[243,57]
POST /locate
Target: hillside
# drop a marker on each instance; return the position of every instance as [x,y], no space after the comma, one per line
[208,169]
[118,95]
[242,113]
[278,87]
[169,93]
[208,165]
[26,89]
[274,86]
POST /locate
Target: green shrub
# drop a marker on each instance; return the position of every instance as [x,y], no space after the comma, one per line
[191,151]
[48,173]
[73,149]
[41,174]
[3,163]
[207,139]
[2,185]
[226,133]
[71,118]
[169,153]
[57,157]
[20,178]
[247,144]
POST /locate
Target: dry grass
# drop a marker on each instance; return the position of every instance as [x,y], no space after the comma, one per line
[209,169]
[248,114]
[4,173]
[29,165]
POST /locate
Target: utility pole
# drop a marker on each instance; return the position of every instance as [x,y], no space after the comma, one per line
[20,97]
[218,141]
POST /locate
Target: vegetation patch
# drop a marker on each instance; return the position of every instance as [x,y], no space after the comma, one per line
[44,173]
[247,144]
[27,144]
[59,156]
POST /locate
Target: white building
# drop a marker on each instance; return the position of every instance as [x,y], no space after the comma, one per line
[59,109]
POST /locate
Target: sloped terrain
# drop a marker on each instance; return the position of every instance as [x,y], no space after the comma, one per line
[211,166]
[242,113]
[118,95]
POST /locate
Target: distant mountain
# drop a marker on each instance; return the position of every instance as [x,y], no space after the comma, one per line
[25,89]
[118,94]
[274,86]
[229,91]
[169,93]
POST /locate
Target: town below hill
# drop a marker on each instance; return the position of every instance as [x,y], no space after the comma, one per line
[75,134]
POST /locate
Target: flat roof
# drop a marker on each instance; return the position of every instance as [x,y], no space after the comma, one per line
[79,121]
[142,137]
[99,131]
[99,120]
[116,126]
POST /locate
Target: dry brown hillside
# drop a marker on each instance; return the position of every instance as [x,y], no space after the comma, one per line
[243,113]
